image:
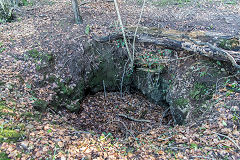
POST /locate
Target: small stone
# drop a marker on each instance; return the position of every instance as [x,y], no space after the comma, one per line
[46,127]
[236,133]
[29,126]
[45,149]
[223,70]
[235,108]
[60,144]
[226,130]
[24,144]
[38,154]
[63,158]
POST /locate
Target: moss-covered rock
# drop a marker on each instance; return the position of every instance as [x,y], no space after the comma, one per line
[6,11]
[181,102]
[105,70]
[9,135]
[183,84]
[201,91]
[151,84]
[191,88]
[109,68]
[67,96]
[150,75]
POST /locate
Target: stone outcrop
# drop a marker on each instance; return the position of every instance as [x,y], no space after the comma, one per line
[180,80]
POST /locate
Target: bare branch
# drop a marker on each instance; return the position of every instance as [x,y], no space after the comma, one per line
[133,119]
[123,32]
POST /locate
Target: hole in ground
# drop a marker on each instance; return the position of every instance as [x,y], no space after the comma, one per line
[124,116]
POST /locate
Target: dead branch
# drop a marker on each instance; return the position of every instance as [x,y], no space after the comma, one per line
[211,51]
[219,134]
[202,157]
[123,32]
[133,119]
[181,41]
[135,34]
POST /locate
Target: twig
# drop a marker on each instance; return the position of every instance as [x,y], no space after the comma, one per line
[78,132]
[124,125]
[121,85]
[229,139]
[164,114]
[84,2]
[201,157]
[123,32]
[65,63]
[104,88]
[51,110]
[221,51]
[169,122]
[164,139]
[134,38]
[133,119]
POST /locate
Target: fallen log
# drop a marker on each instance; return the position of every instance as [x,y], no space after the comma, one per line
[209,44]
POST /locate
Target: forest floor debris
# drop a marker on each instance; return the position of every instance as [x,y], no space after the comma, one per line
[29,134]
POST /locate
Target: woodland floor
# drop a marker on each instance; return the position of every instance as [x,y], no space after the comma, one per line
[48,26]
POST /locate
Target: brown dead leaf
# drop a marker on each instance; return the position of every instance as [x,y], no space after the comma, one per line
[60,144]
[38,154]
[46,127]
[161,152]
[45,148]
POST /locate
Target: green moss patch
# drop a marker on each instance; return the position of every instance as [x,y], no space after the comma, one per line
[31,116]
[152,61]
[35,54]
[229,44]
[40,105]
[43,61]
[9,135]
[181,102]
[4,110]
[3,156]
[2,104]
[11,132]
[200,91]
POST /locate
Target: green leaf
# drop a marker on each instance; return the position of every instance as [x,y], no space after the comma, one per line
[219,63]
[28,86]
[193,145]
[102,138]
[87,29]
[25,2]
[224,123]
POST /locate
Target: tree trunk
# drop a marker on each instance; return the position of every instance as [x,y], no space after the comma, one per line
[76,11]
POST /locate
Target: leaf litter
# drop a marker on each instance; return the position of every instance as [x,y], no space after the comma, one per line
[99,132]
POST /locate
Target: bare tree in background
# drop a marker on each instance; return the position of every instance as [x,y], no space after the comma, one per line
[76,11]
